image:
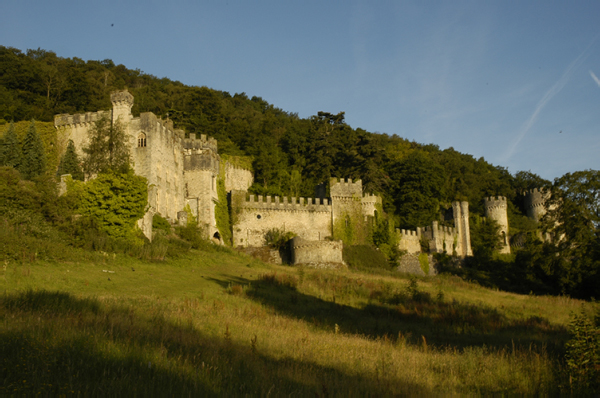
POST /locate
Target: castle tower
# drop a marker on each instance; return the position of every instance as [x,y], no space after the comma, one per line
[535,201]
[122,101]
[460,212]
[496,209]
[346,209]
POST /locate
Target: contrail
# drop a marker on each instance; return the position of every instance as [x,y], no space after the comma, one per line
[555,89]
[595,78]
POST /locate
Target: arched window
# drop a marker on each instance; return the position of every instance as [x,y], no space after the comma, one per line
[141,140]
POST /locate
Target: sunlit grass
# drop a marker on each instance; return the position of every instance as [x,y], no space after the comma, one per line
[215,323]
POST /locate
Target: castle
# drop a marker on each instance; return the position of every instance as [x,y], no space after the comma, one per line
[183,173]
[180,171]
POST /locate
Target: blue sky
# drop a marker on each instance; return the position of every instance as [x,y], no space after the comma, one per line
[516,82]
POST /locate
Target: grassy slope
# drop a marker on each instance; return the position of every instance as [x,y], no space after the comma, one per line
[221,323]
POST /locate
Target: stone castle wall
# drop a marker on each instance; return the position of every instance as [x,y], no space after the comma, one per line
[160,160]
[317,253]
[409,240]
[441,239]
[308,218]
[237,179]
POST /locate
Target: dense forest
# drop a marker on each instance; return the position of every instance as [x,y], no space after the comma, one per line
[291,155]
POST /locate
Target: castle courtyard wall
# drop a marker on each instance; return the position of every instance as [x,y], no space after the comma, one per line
[308,218]
[316,252]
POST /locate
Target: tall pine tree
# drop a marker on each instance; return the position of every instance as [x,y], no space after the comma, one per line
[107,149]
[34,154]
[10,151]
[69,163]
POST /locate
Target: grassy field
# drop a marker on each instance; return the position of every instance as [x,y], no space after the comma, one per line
[220,323]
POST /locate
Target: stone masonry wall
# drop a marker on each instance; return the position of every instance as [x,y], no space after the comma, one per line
[308,218]
[237,179]
[316,252]
[409,241]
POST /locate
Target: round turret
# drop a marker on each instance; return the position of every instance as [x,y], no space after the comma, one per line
[122,102]
[534,202]
[496,209]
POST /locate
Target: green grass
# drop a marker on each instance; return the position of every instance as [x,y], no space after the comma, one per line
[216,322]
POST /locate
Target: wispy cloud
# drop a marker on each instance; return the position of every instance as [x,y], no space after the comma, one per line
[595,78]
[555,89]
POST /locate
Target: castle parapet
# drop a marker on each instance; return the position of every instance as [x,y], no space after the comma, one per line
[67,120]
[410,241]
[495,202]
[286,204]
[340,188]
[371,199]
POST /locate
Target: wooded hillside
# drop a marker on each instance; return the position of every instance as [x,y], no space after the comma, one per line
[290,154]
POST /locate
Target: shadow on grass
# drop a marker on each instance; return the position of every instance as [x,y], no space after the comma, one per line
[53,343]
[407,317]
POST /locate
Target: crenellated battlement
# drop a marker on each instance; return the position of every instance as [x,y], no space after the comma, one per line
[440,228]
[371,199]
[121,98]
[407,234]
[536,197]
[79,119]
[495,202]
[345,188]
[534,202]
[202,142]
[286,204]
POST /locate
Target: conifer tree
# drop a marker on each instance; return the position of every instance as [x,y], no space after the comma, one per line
[107,149]
[34,154]
[11,154]
[69,163]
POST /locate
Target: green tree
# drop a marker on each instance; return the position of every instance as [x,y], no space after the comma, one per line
[69,163]
[583,354]
[114,201]
[107,149]
[419,185]
[573,220]
[34,154]
[485,237]
[11,154]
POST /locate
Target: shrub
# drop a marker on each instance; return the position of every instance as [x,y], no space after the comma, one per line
[160,223]
[278,239]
